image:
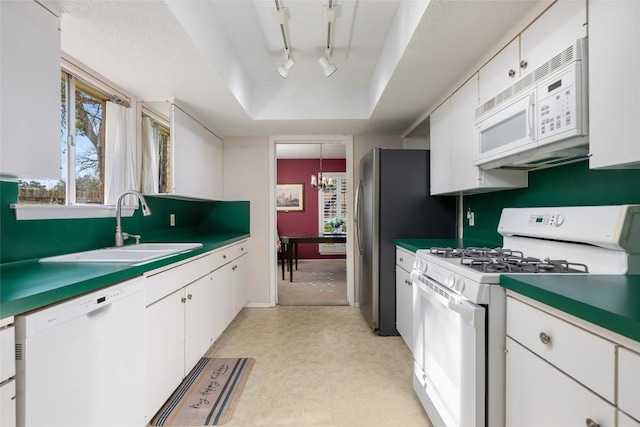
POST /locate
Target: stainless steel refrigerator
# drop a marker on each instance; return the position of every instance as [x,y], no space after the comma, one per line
[393,202]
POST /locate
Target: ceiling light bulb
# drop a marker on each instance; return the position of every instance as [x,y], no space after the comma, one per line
[284,69]
[327,66]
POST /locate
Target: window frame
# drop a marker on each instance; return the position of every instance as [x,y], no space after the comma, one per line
[341,187]
[71,209]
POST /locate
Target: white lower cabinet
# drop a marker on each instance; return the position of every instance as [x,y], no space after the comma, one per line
[7,373]
[240,288]
[165,350]
[562,370]
[404,296]
[188,306]
[538,394]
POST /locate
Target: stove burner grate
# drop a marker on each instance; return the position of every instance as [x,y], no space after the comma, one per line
[508,261]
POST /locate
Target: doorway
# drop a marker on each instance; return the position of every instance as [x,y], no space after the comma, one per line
[321,278]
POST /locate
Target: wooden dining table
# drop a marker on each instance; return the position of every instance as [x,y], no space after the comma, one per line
[289,246]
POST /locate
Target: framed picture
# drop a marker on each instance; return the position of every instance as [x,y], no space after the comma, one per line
[290,197]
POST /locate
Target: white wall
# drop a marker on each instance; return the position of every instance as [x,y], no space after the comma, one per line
[246,177]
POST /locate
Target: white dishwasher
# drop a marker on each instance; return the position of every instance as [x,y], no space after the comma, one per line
[82,362]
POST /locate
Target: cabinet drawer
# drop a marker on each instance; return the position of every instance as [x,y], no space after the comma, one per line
[7,353]
[629,382]
[584,356]
[162,282]
[404,258]
[222,256]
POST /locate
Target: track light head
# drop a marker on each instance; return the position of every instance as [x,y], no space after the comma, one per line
[327,66]
[285,68]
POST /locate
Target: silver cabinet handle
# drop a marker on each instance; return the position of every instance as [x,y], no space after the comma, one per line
[523,64]
[544,338]
[189,296]
[512,73]
[590,423]
[407,282]
[224,257]
[183,300]
[401,260]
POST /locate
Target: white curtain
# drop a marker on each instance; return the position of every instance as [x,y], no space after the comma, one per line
[150,177]
[122,157]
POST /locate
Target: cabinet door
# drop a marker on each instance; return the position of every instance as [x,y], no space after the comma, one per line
[223,279]
[625,420]
[614,67]
[8,404]
[30,81]
[538,394]
[440,124]
[239,284]
[165,350]
[554,31]
[464,174]
[629,382]
[499,73]
[404,306]
[199,320]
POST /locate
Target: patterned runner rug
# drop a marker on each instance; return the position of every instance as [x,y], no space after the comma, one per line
[208,395]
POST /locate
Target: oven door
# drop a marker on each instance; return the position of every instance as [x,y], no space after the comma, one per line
[449,352]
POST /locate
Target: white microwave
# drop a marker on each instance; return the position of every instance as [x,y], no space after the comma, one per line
[540,121]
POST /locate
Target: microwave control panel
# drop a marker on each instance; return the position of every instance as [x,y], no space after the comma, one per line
[557,106]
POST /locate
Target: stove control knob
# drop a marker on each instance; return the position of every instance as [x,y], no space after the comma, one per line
[451,281]
[559,220]
[459,286]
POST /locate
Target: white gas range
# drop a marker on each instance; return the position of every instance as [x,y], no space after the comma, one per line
[459,308]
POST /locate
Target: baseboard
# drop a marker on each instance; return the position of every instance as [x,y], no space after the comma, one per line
[259,305]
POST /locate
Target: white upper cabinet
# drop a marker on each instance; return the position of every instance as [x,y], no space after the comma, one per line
[554,31]
[440,157]
[452,168]
[501,72]
[614,84]
[197,158]
[30,87]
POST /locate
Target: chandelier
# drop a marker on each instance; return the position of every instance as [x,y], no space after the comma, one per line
[321,182]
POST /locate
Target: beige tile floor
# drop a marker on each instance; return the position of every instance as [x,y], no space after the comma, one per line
[319,366]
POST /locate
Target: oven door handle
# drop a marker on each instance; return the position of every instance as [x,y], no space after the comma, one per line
[470,313]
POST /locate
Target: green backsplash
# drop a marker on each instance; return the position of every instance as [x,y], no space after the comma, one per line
[20,240]
[571,185]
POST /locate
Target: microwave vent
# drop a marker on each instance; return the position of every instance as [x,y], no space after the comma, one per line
[571,54]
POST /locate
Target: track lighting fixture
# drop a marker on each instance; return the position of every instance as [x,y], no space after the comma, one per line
[281,14]
[284,69]
[327,66]
[329,14]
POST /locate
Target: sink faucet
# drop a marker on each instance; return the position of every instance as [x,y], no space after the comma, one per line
[120,235]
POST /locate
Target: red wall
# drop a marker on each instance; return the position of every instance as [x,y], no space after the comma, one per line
[295,171]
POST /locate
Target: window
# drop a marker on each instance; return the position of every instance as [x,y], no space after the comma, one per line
[82,149]
[333,212]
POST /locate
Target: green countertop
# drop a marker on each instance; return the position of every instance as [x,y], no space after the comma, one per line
[28,285]
[609,301]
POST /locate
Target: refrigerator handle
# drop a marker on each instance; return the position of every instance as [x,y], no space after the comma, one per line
[356,216]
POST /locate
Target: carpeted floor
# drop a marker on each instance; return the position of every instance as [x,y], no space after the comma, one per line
[315,282]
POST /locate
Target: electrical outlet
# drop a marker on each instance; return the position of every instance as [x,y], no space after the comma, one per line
[471,217]
[172,220]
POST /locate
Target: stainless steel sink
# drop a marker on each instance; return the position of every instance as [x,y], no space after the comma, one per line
[125,254]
